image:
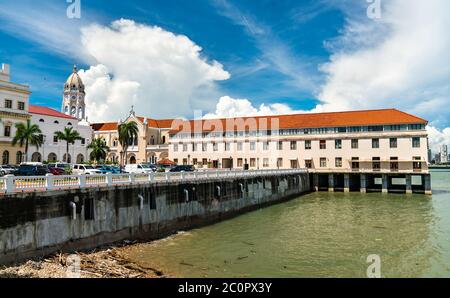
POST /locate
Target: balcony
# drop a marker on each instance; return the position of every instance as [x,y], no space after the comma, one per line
[158,147]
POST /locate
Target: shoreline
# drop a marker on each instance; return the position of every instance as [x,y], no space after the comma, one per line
[104,262]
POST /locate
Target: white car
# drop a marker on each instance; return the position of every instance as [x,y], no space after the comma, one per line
[6,170]
[84,169]
[138,169]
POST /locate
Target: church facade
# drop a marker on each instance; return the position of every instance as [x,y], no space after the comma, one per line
[15,108]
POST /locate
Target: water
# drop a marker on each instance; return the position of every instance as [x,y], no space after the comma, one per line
[318,235]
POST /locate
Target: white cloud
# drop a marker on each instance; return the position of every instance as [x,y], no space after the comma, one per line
[158,72]
[438,137]
[401,61]
[229,107]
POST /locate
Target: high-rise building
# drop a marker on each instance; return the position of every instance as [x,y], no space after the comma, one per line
[443,154]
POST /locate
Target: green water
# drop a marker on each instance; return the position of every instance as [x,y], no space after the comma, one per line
[318,235]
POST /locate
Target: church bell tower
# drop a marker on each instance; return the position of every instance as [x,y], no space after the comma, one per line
[73,98]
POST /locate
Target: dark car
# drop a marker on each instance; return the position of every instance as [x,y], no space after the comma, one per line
[185,168]
[105,169]
[56,171]
[32,170]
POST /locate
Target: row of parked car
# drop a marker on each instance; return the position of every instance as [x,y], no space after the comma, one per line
[57,169]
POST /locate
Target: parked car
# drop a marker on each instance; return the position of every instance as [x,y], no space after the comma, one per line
[79,169]
[184,168]
[56,171]
[32,169]
[61,165]
[153,167]
[138,168]
[7,170]
[104,169]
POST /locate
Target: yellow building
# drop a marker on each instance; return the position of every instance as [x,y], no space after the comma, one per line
[150,146]
[14,100]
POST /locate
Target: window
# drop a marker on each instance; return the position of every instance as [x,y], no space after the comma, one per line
[204,147]
[293,145]
[204,161]
[355,143]
[294,164]
[5,157]
[265,162]
[194,147]
[417,164]
[394,164]
[338,144]
[19,157]
[265,146]
[416,142]
[41,120]
[393,142]
[308,145]
[239,162]
[279,163]
[323,162]
[8,103]
[185,148]
[280,145]
[56,122]
[185,161]
[252,146]
[308,164]
[175,160]
[252,162]
[355,163]
[83,141]
[338,162]
[323,144]
[239,146]
[375,143]
[227,146]
[7,132]
[376,163]
[21,105]
[175,147]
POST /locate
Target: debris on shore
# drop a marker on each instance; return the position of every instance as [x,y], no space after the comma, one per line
[107,263]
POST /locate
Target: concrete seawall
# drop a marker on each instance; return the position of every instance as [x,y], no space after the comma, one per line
[40,223]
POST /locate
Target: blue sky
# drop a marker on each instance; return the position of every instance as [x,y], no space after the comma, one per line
[169,58]
[295,23]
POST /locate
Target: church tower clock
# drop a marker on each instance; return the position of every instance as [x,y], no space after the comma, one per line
[73,98]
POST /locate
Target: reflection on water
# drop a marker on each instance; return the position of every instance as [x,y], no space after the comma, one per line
[318,235]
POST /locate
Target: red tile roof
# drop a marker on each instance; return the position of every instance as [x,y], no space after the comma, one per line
[154,123]
[48,112]
[310,120]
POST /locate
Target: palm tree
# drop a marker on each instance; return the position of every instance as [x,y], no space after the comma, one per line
[127,133]
[99,149]
[70,136]
[28,134]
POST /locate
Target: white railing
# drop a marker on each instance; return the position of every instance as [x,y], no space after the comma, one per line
[13,184]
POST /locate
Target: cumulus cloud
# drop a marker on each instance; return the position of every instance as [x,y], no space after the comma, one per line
[400,60]
[229,107]
[438,137]
[158,72]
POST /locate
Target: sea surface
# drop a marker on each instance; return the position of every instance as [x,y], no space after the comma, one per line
[318,235]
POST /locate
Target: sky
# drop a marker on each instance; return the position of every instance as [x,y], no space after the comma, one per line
[228,58]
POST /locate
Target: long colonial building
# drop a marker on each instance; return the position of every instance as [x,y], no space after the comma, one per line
[357,149]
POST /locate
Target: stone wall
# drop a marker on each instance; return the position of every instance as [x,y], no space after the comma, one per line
[41,223]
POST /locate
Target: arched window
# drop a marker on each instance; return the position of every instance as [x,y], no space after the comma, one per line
[66,109]
[19,157]
[73,110]
[69,124]
[5,157]
[80,158]
[67,159]
[52,157]
[56,122]
[164,139]
[36,157]
[41,120]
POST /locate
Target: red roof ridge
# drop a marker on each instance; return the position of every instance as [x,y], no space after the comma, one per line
[46,111]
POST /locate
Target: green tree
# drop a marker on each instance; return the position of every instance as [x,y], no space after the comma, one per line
[127,133]
[99,149]
[70,136]
[27,134]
